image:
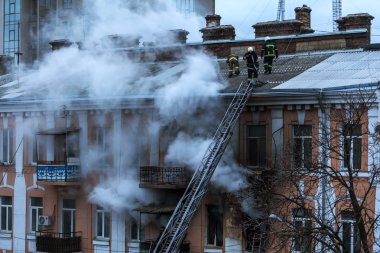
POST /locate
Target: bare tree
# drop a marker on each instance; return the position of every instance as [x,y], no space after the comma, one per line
[321,196]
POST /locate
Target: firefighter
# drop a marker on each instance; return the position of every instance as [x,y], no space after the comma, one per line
[233,65]
[252,63]
[269,52]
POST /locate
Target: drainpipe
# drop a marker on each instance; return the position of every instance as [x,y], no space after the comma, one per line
[324,141]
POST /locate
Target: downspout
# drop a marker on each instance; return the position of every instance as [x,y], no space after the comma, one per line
[324,162]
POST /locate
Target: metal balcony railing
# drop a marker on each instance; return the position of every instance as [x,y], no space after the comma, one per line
[163,176]
[58,172]
[47,241]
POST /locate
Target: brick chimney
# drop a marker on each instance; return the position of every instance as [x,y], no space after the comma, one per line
[215,31]
[355,21]
[299,25]
[179,35]
[61,43]
[303,15]
[5,64]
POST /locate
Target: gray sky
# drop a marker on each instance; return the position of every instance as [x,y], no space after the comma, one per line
[242,14]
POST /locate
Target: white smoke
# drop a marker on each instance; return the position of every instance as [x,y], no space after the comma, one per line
[106,75]
[190,150]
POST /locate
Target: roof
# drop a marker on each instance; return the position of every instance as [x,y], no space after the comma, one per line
[340,70]
[285,68]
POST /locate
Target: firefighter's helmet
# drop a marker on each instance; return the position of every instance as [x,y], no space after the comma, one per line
[250,49]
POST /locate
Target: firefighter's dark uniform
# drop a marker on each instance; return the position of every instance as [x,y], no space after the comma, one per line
[233,65]
[269,52]
[252,64]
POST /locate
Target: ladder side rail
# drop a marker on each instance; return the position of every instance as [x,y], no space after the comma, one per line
[201,179]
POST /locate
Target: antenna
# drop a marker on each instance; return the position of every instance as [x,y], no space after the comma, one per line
[281,10]
[337,13]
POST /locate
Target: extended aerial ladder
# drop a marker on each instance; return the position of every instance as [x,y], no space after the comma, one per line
[174,233]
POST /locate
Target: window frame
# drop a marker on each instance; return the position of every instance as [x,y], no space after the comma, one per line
[7,147]
[72,212]
[303,138]
[306,223]
[215,212]
[353,237]
[351,138]
[260,145]
[103,214]
[67,4]
[8,216]
[39,211]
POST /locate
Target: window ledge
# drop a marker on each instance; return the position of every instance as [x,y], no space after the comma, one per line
[213,249]
[5,234]
[101,241]
[31,236]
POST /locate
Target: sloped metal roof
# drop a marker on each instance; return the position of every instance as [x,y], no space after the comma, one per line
[341,69]
[285,68]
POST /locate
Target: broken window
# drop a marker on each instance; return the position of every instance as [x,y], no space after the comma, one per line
[352,146]
[349,233]
[302,146]
[256,149]
[214,226]
[302,222]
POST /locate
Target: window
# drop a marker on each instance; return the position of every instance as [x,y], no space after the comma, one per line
[101,138]
[302,240]
[302,146]
[254,237]
[102,222]
[134,230]
[67,4]
[68,216]
[6,214]
[36,148]
[352,146]
[256,146]
[349,233]
[11,27]
[214,226]
[36,209]
[7,148]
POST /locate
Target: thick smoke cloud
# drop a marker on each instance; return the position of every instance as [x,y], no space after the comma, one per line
[186,93]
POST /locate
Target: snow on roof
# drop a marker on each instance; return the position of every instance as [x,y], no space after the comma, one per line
[339,70]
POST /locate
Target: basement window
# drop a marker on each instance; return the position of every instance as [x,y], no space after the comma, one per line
[214,226]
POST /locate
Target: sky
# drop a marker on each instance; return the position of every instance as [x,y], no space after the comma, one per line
[242,14]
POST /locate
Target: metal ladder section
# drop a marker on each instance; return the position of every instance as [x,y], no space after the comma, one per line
[174,233]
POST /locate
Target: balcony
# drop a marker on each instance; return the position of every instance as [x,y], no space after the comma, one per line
[58,173]
[47,241]
[163,177]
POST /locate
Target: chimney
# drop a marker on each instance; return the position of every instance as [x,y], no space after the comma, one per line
[213,20]
[5,64]
[121,41]
[355,21]
[303,15]
[179,35]
[61,43]
[215,31]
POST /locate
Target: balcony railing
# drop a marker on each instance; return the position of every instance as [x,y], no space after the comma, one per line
[58,172]
[47,241]
[163,177]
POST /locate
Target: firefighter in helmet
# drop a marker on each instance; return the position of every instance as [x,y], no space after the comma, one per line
[233,64]
[269,52]
[252,63]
